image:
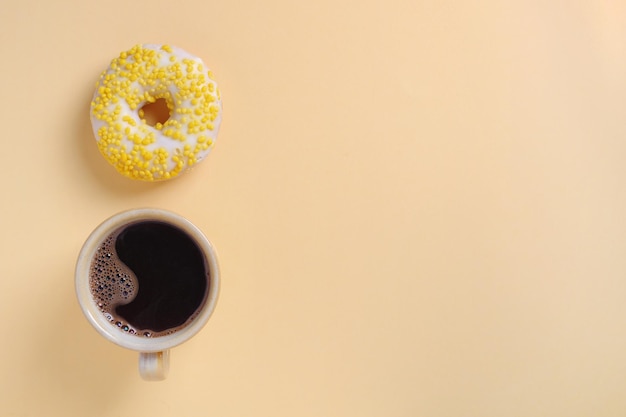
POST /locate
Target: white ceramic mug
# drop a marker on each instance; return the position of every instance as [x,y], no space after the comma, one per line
[153,351]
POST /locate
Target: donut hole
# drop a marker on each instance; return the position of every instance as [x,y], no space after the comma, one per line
[156,112]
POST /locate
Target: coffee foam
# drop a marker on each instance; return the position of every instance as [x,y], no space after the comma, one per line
[112,283]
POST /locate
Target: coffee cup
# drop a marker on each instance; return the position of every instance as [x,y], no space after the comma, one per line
[147,280]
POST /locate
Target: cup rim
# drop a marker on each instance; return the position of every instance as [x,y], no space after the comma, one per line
[93,313]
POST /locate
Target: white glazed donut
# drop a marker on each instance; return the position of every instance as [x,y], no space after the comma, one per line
[148,74]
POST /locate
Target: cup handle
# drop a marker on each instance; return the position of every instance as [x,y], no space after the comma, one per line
[154,366]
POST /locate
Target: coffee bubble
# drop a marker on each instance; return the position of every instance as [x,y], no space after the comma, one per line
[111,282]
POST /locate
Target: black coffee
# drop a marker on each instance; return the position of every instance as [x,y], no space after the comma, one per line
[149,278]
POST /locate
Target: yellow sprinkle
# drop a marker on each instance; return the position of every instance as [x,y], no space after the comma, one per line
[141,75]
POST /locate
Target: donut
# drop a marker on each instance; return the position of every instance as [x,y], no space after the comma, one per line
[156,112]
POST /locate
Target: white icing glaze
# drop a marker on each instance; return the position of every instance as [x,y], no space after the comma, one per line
[142,75]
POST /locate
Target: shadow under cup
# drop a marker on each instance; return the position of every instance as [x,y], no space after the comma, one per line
[147,280]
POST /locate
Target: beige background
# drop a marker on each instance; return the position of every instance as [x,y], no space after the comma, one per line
[419,208]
